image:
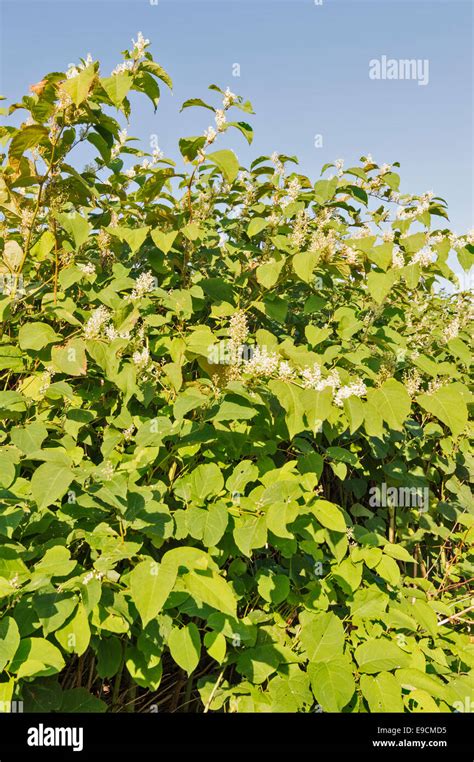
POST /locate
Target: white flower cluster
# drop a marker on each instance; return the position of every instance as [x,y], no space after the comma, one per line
[223,238]
[100,323]
[94,325]
[279,168]
[87,268]
[388,236]
[412,382]
[46,377]
[325,242]
[339,164]
[262,362]
[294,187]
[92,574]
[397,259]
[313,379]
[298,235]
[362,232]
[140,45]
[238,333]
[229,98]
[145,283]
[121,68]
[423,206]
[112,333]
[141,358]
[210,134]
[424,257]
[117,147]
[356,389]
[285,371]
[451,330]
[128,433]
[436,384]
[350,255]
[107,471]
[220,119]
[459,241]
[74,70]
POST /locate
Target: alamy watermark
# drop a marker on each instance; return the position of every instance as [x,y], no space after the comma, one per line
[399,497]
[416,69]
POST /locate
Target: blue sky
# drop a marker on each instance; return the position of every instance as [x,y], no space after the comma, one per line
[304,66]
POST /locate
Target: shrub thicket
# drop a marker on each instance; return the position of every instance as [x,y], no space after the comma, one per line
[234,461]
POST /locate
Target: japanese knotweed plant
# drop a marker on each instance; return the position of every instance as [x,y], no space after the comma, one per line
[234,460]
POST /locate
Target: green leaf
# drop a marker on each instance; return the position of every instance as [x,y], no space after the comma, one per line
[354,409]
[54,609]
[214,525]
[268,273]
[189,147]
[157,71]
[164,241]
[150,586]
[380,284]
[304,263]
[76,225]
[256,225]
[415,678]
[227,162]
[117,87]
[56,562]
[25,138]
[332,683]
[243,473]
[216,645]
[391,401]
[75,635]
[273,588]
[322,636]
[383,693]
[250,533]
[12,404]
[36,657]
[388,569]
[78,87]
[317,407]
[6,695]
[134,237]
[290,398]
[109,657]
[36,336]
[380,655]
[144,672]
[71,358]
[204,481]
[9,640]
[76,700]
[185,646]
[29,438]
[208,587]
[50,482]
[448,404]
[329,515]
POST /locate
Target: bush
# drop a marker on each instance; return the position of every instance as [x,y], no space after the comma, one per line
[234,464]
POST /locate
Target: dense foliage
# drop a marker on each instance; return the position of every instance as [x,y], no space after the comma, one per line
[234,461]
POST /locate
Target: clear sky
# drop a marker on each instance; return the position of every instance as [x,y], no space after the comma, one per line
[304,66]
